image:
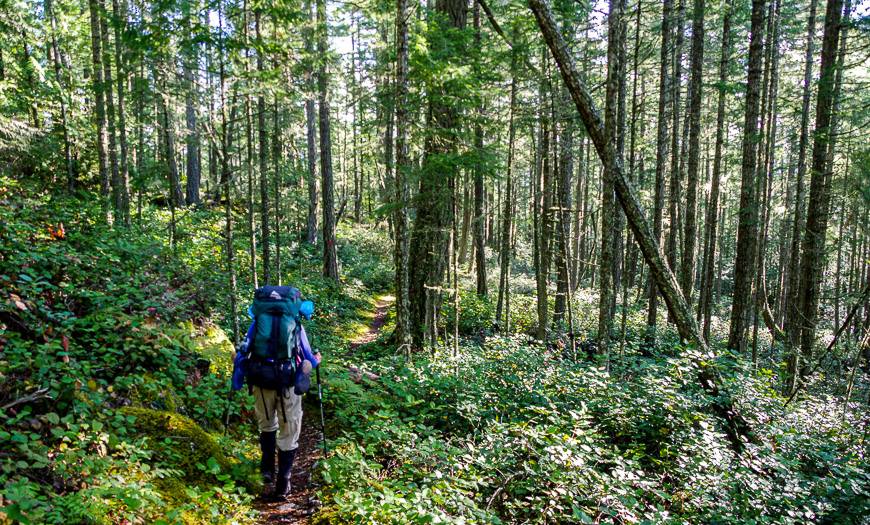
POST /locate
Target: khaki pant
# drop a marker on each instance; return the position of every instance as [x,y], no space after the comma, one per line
[272,416]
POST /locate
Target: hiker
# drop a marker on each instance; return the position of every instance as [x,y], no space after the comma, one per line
[275,360]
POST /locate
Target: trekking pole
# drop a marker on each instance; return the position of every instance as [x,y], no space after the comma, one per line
[320,402]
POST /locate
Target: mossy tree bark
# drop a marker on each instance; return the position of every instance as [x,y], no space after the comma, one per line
[433,222]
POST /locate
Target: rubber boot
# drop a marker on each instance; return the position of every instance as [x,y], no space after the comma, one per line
[285,465]
[267,460]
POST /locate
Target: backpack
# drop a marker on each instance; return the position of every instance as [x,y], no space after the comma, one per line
[274,344]
[276,316]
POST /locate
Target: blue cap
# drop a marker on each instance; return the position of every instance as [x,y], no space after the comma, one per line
[306,309]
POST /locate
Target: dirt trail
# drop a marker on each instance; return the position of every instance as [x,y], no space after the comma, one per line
[382,306]
[302,502]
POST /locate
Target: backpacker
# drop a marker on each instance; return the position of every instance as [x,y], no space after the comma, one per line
[274,343]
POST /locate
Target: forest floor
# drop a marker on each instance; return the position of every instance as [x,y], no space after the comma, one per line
[303,503]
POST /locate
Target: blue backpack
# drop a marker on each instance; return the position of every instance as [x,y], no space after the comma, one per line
[275,344]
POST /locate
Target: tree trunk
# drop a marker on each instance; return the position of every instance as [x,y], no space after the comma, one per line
[687,267]
[263,156]
[99,105]
[119,7]
[479,239]
[792,293]
[543,201]
[175,197]
[226,143]
[813,244]
[192,140]
[311,135]
[608,201]
[400,189]
[117,193]
[566,169]
[61,86]
[433,222]
[747,229]
[354,125]
[662,146]
[330,252]
[502,315]
[276,184]
[674,197]
[710,235]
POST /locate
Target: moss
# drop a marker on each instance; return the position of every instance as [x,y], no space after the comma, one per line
[181,444]
[212,343]
[326,516]
[151,393]
[173,490]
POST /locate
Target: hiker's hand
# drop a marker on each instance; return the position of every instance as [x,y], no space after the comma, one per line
[318,357]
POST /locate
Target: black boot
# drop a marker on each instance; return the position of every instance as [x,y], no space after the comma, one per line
[285,465]
[267,460]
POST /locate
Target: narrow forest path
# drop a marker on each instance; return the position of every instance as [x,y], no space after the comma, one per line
[378,320]
[302,502]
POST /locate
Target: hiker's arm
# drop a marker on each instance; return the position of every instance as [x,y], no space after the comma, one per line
[307,352]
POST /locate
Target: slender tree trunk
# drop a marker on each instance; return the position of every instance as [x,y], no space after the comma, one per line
[479,239]
[192,140]
[330,252]
[117,197]
[249,169]
[62,86]
[674,197]
[636,166]
[710,236]
[311,133]
[119,7]
[403,165]
[813,244]
[747,230]
[608,200]
[785,242]
[566,169]
[618,239]
[263,156]
[99,105]
[276,183]
[502,315]
[226,143]
[662,146]
[168,137]
[687,267]
[354,95]
[543,204]
[792,294]
[467,210]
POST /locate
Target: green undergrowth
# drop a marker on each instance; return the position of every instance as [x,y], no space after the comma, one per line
[508,431]
[115,354]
